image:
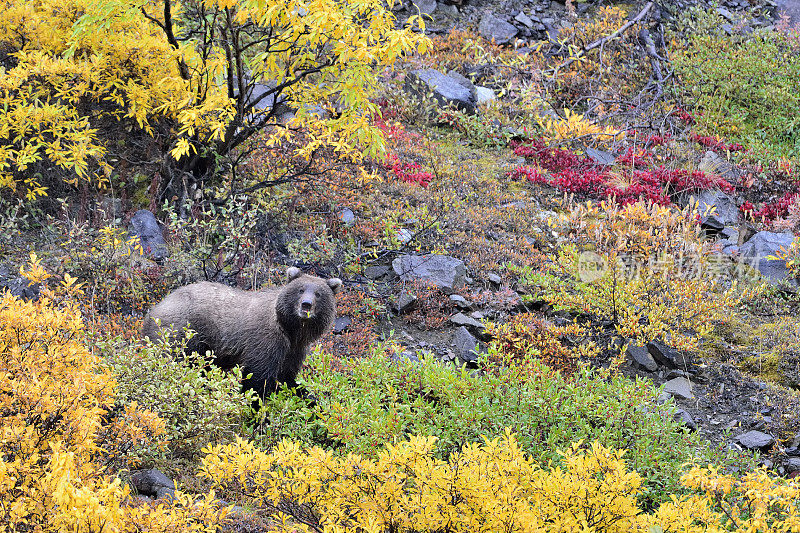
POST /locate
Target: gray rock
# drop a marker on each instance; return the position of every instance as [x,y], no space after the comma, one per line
[495,29]
[448,10]
[666,355]
[459,301]
[793,464]
[262,97]
[460,319]
[21,288]
[717,210]
[347,216]
[426,7]
[145,227]
[405,302]
[446,90]
[151,481]
[464,81]
[715,164]
[524,19]
[484,95]
[682,416]
[601,157]
[725,13]
[755,440]
[376,271]
[759,248]
[341,324]
[679,387]
[642,358]
[445,272]
[406,355]
[495,279]
[467,347]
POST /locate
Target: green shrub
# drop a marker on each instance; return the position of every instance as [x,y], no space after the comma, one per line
[362,404]
[742,87]
[199,403]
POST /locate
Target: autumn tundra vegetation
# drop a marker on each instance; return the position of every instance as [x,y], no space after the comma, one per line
[561,239]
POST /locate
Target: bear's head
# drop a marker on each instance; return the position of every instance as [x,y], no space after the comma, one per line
[307,303]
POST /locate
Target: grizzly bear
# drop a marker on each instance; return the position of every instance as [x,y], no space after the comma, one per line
[267,333]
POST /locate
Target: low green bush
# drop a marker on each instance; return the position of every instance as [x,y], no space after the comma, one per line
[743,87]
[199,403]
[359,405]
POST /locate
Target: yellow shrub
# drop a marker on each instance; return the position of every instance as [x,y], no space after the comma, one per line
[576,126]
[55,395]
[484,488]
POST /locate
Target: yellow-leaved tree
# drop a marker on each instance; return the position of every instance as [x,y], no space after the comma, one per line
[94,89]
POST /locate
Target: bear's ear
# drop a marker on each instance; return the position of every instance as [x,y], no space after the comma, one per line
[293,273]
[335,284]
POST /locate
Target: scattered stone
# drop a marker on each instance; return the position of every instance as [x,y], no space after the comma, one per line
[459,301]
[758,249]
[477,315]
[755,440]
[341,324]
[484,95]
[682,416]
[153,483]
[495,279]
[347,216]
[495,29]
[376,271]
[145,227]
[601,157]
[406,355]
[679,387]
[405,302]
[793,464]
[642,358]
[524,19]
[713,163]
[666,355]
[717,210]
[403,235]
[445,272]
[467,347]
[21,288]
[460,319]
[426,7]
[446,90]
[464,81]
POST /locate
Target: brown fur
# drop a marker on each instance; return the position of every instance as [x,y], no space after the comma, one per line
[267,332]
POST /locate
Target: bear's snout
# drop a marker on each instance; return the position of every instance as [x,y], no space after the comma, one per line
[307,304]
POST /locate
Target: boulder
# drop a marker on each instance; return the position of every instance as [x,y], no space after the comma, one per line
[460,319]
[376,271]
[717,210]
[756,252]
[467,347]
[484,95]
[680,388]
[755,440]
[144,226]
[153,483]
[601,157]
[666,355]
[341,324]
[425,7]
[446,90]
[405,302]
[496,29]
[524,19]
[445,272]
[642,358]
[683,417]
